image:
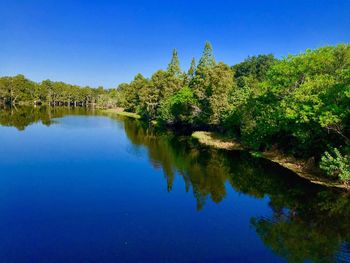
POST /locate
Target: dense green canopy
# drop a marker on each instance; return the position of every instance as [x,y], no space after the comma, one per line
[299,104]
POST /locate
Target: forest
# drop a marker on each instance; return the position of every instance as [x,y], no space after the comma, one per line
[19,90]
[299,104]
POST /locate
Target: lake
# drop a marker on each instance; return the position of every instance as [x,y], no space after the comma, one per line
[76,186]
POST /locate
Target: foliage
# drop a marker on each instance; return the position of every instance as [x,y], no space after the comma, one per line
[255,67]
[179,108]
[174,65]
[299,104]
[192,70]
[200,80]
[207,60]
[20,90]
[336,165]
[302,105]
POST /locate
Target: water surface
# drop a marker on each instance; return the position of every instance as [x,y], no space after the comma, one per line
[79,187]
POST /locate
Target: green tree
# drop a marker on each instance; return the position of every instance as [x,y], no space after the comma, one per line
[192,70]
[255,67]
[207,60]
[174,65]
[151,94]
[200,83]
[180,108]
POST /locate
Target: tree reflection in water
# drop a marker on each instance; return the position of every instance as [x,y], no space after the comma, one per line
[308,222]
[21,117]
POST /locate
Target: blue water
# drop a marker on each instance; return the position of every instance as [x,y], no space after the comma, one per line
[80,190]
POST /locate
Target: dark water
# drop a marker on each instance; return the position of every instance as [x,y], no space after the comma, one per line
[78,187]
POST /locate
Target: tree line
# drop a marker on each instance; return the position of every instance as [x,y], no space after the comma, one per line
[20,90]
[299,104]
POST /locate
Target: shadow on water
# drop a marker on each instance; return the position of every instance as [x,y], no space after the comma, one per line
[308,222]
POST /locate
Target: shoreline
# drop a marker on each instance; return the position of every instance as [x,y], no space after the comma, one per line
[299,167]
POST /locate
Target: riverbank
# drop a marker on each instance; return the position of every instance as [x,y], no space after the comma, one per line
[303,168]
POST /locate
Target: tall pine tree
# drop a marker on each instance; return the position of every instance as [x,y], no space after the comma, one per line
[192,69]
[200,82]
[174,65]
[207,60]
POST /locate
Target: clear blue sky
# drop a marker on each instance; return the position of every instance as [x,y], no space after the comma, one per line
[95,42]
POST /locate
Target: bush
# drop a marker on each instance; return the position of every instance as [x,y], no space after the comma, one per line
[337,165]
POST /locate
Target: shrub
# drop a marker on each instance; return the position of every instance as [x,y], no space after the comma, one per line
[337,165]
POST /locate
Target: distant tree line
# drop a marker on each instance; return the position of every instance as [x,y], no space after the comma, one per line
[20,90]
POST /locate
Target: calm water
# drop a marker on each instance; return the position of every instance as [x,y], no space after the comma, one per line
[78,187]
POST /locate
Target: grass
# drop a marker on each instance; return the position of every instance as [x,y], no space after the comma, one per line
[120,112]
[216,140]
